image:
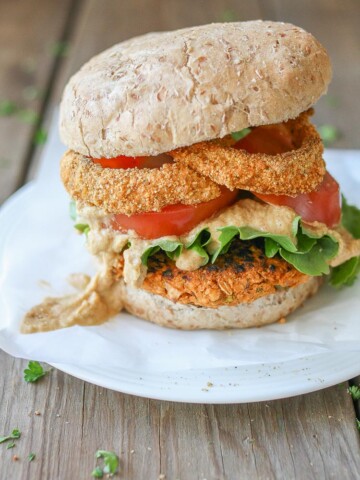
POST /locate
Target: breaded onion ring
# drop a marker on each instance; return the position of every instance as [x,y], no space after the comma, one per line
[291,173]
[134,190]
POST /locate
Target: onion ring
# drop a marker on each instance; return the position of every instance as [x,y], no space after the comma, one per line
[291,173]
[134,190]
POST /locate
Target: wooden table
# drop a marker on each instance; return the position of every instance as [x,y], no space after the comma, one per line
[308,437]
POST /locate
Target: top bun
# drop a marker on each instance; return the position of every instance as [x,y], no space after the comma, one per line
[161,91]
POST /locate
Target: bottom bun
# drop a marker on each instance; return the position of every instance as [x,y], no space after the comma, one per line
[262,311]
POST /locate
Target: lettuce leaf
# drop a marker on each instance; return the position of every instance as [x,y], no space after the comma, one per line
[170,247]
[82,228]
[199,243]
[350,218]
[346,273]
[309,254]
[241,134]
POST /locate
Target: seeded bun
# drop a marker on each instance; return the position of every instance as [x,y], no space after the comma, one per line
[267,309]
[161,91]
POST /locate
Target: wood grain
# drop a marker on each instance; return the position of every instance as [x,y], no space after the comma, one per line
[306,437]
[336,25]
[29,32]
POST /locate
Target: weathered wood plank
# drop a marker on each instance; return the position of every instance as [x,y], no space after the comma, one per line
[29,33]
[336,24]
[306,437]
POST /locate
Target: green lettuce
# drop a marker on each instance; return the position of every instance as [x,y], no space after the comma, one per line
[241,134]
[173,249]
[170,247]
[350,218]
[308,254]
[80,227]
[346,273]
[199,243]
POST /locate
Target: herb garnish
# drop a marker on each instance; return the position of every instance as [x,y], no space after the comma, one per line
[34,372]
[97,472]
[329,134]
[241,134]
[7,108]
[40,136]
[354,392]
[111,464]
[15,434]
[31,457]
[228,16]
[60,49]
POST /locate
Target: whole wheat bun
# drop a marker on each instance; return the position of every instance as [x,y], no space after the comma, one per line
[161,91]
[265,310]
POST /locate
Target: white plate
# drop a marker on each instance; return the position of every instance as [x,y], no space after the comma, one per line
[132,356]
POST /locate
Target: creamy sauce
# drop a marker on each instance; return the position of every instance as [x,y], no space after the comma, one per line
[99,300]
[190,261]
[100,297]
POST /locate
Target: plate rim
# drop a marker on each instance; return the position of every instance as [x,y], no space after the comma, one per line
[200,394]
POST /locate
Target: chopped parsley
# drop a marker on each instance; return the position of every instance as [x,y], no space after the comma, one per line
[60,49]
[111,464]
[34,372]
[40,136]
[228,16]
[354,392]
[10,445]
[15,435]
[97,472]
[329,134]
[7,108]
[31,457]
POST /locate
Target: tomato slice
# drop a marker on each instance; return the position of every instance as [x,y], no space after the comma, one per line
[322,205]
[173,219]
[124,162]
[270,139]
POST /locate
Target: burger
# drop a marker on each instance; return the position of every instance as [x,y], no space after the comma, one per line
[199,182]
